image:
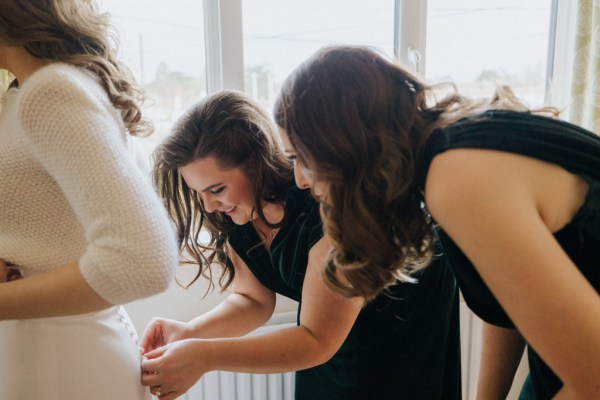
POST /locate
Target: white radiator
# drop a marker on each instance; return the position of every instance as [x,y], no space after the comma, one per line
[219,385]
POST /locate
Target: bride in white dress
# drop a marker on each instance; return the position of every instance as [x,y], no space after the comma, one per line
[78,215]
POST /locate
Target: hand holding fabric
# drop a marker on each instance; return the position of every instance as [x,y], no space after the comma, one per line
[161,331]
[170,371]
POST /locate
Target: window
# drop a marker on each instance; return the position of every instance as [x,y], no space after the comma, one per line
[279,35]
[479,44]
[192,47]
[163,45]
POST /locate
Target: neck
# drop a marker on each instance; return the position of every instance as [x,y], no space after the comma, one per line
[273,214]
[21,63]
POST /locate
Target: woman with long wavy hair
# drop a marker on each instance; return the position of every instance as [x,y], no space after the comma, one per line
[514,193]
[82,228]
[223,172]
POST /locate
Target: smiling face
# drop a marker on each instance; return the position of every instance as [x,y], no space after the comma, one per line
[226,190]
[302,175]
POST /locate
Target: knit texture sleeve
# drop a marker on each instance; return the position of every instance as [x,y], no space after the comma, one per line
[79,138]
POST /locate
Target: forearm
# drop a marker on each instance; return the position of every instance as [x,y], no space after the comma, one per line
[501,354]
[284,350]
[59,292]
[236,316]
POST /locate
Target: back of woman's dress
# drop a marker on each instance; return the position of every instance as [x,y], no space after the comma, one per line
[403,345]
[72,190]
[558,142]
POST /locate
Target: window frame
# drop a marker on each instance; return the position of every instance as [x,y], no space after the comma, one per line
[225,48]
[224,45]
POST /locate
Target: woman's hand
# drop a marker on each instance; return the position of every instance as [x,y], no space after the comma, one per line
[9,272]
[160,332]
[171,370]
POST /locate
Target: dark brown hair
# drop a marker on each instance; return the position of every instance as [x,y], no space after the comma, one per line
[233,129]
[74,32]
[359,123]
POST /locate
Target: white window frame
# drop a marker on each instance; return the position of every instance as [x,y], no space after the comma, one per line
[225,47]
[560,57]
[224,42]
[410,29]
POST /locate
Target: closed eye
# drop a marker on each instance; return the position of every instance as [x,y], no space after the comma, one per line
[217,190]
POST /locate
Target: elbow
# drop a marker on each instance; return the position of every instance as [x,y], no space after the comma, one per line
[322,358]
[157,270]
[145,271]
[154,286]
[323,351]
[589,390]
[124,263]
[327,354]
[267,309]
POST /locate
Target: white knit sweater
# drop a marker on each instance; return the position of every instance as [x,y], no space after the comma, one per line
[71,190]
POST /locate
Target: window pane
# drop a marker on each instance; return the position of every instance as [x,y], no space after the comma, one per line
[163,45]
[279,35]
[479,44]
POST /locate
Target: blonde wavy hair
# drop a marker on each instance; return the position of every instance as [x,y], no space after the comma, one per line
[360,123]
[75,32]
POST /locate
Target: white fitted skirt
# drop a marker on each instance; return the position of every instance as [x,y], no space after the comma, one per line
[93,356]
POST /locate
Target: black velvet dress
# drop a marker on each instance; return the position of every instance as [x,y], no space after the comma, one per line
[404,344]
[558,142]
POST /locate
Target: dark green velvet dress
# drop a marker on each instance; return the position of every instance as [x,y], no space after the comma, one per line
[404,344]
[558,142]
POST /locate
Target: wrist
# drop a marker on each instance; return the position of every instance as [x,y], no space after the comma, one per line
[191,330]
[183,331]
[204,351]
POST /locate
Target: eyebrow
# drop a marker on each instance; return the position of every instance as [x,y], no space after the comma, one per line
[211,187]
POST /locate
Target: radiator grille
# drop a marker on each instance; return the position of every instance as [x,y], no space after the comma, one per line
[235,386]
[219,385]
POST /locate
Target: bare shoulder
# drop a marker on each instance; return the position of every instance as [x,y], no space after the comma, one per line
[320,250]
[467,176]
[482,179]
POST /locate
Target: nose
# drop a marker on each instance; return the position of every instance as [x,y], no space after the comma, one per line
[210,203]
[300,178]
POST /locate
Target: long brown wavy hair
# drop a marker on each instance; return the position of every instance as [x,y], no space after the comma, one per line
[75,32]
[233,129]
[359,123]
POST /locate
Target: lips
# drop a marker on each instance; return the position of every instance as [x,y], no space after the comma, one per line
[230,210]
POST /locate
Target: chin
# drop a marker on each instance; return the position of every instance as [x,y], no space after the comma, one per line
[239,221]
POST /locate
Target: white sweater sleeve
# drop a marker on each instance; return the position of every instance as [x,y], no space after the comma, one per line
[78,137]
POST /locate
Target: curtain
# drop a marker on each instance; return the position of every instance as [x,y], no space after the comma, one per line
[4,80]
[585,88]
